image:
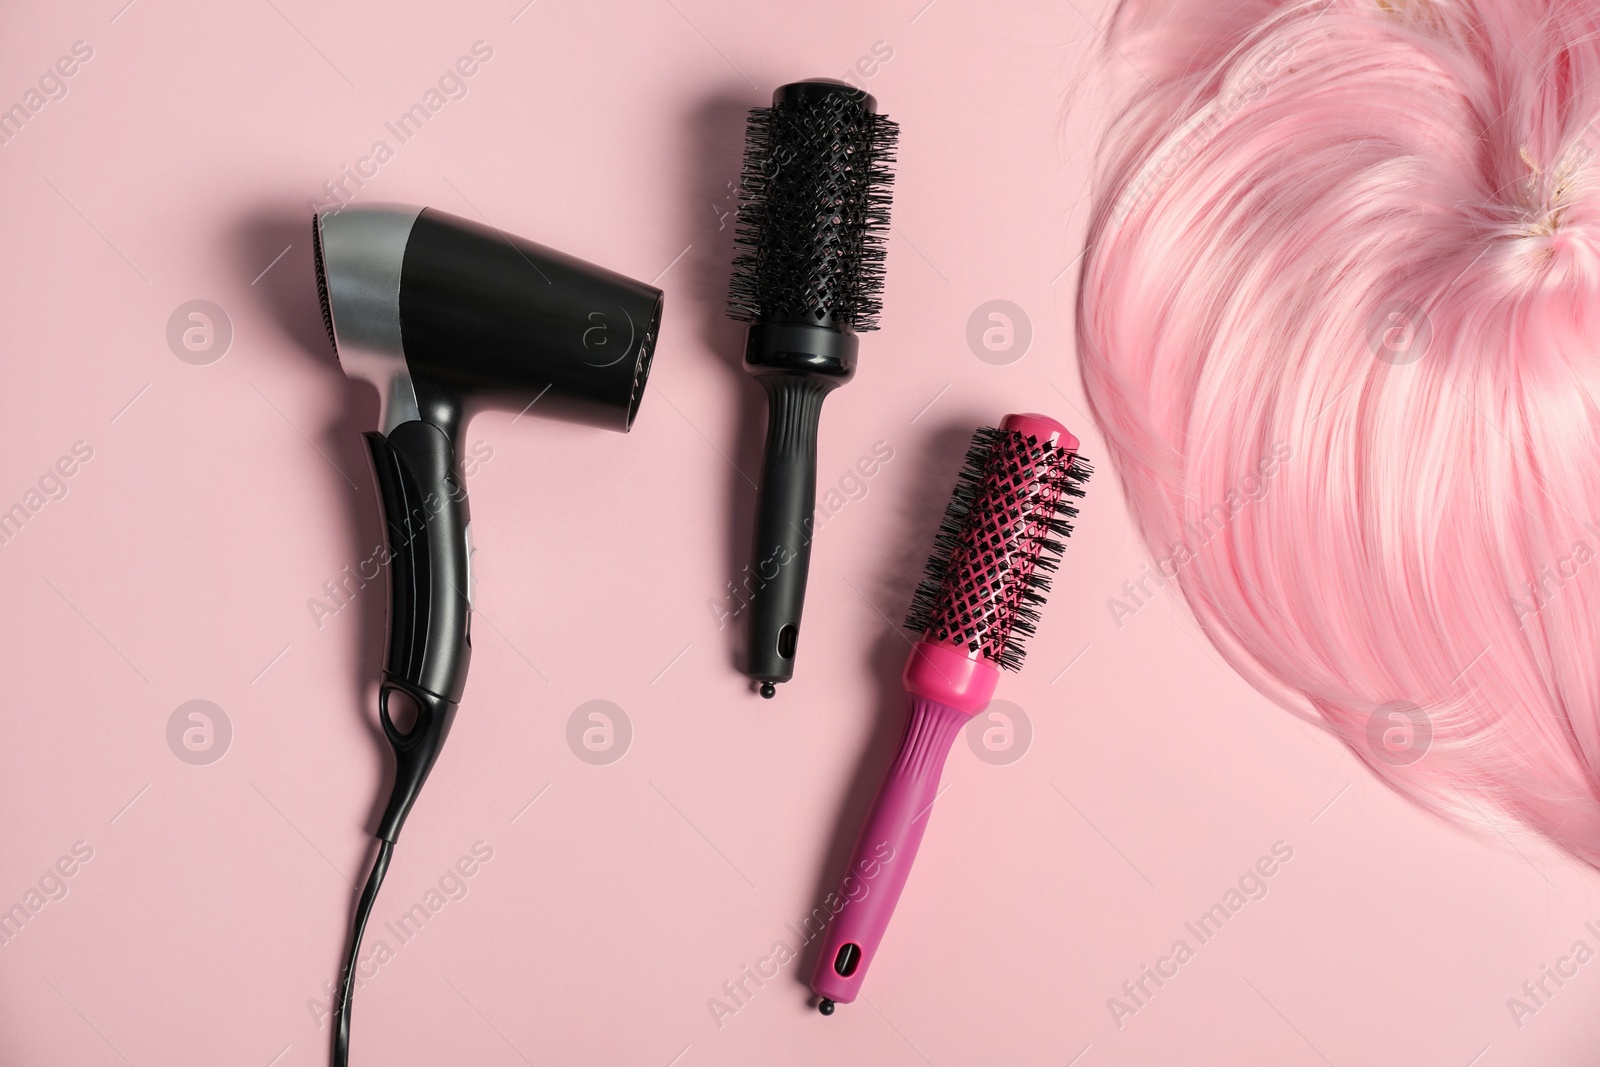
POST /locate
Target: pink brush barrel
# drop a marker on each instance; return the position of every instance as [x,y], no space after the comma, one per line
[998,533]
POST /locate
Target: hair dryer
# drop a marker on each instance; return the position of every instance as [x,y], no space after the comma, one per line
[446,318]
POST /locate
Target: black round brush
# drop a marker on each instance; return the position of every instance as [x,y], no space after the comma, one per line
[813,215]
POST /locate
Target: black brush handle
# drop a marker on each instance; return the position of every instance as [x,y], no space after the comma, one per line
[782,558]
[798,365]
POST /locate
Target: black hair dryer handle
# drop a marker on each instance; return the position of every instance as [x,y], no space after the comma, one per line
[415,749]
[428,555]
[788,499]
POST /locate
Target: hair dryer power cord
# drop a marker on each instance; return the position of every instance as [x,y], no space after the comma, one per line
[341,1014]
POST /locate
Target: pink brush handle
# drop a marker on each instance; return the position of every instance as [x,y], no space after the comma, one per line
[946,689]
[884,850]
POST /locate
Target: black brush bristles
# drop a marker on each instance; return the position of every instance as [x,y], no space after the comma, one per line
[1000,540]
[814,212]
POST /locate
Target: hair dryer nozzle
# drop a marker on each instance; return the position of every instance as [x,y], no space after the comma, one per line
[359,254]
[434,309]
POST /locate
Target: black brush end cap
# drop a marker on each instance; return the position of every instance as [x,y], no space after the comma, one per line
[820,88]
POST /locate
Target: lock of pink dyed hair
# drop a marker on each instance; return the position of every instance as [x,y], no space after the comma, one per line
[1357,243]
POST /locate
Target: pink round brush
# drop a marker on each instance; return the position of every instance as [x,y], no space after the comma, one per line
[1001,537]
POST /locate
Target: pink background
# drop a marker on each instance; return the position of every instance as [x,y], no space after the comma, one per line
[220,498]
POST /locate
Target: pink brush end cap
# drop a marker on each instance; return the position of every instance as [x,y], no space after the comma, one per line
[1041,428]
[936,671]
